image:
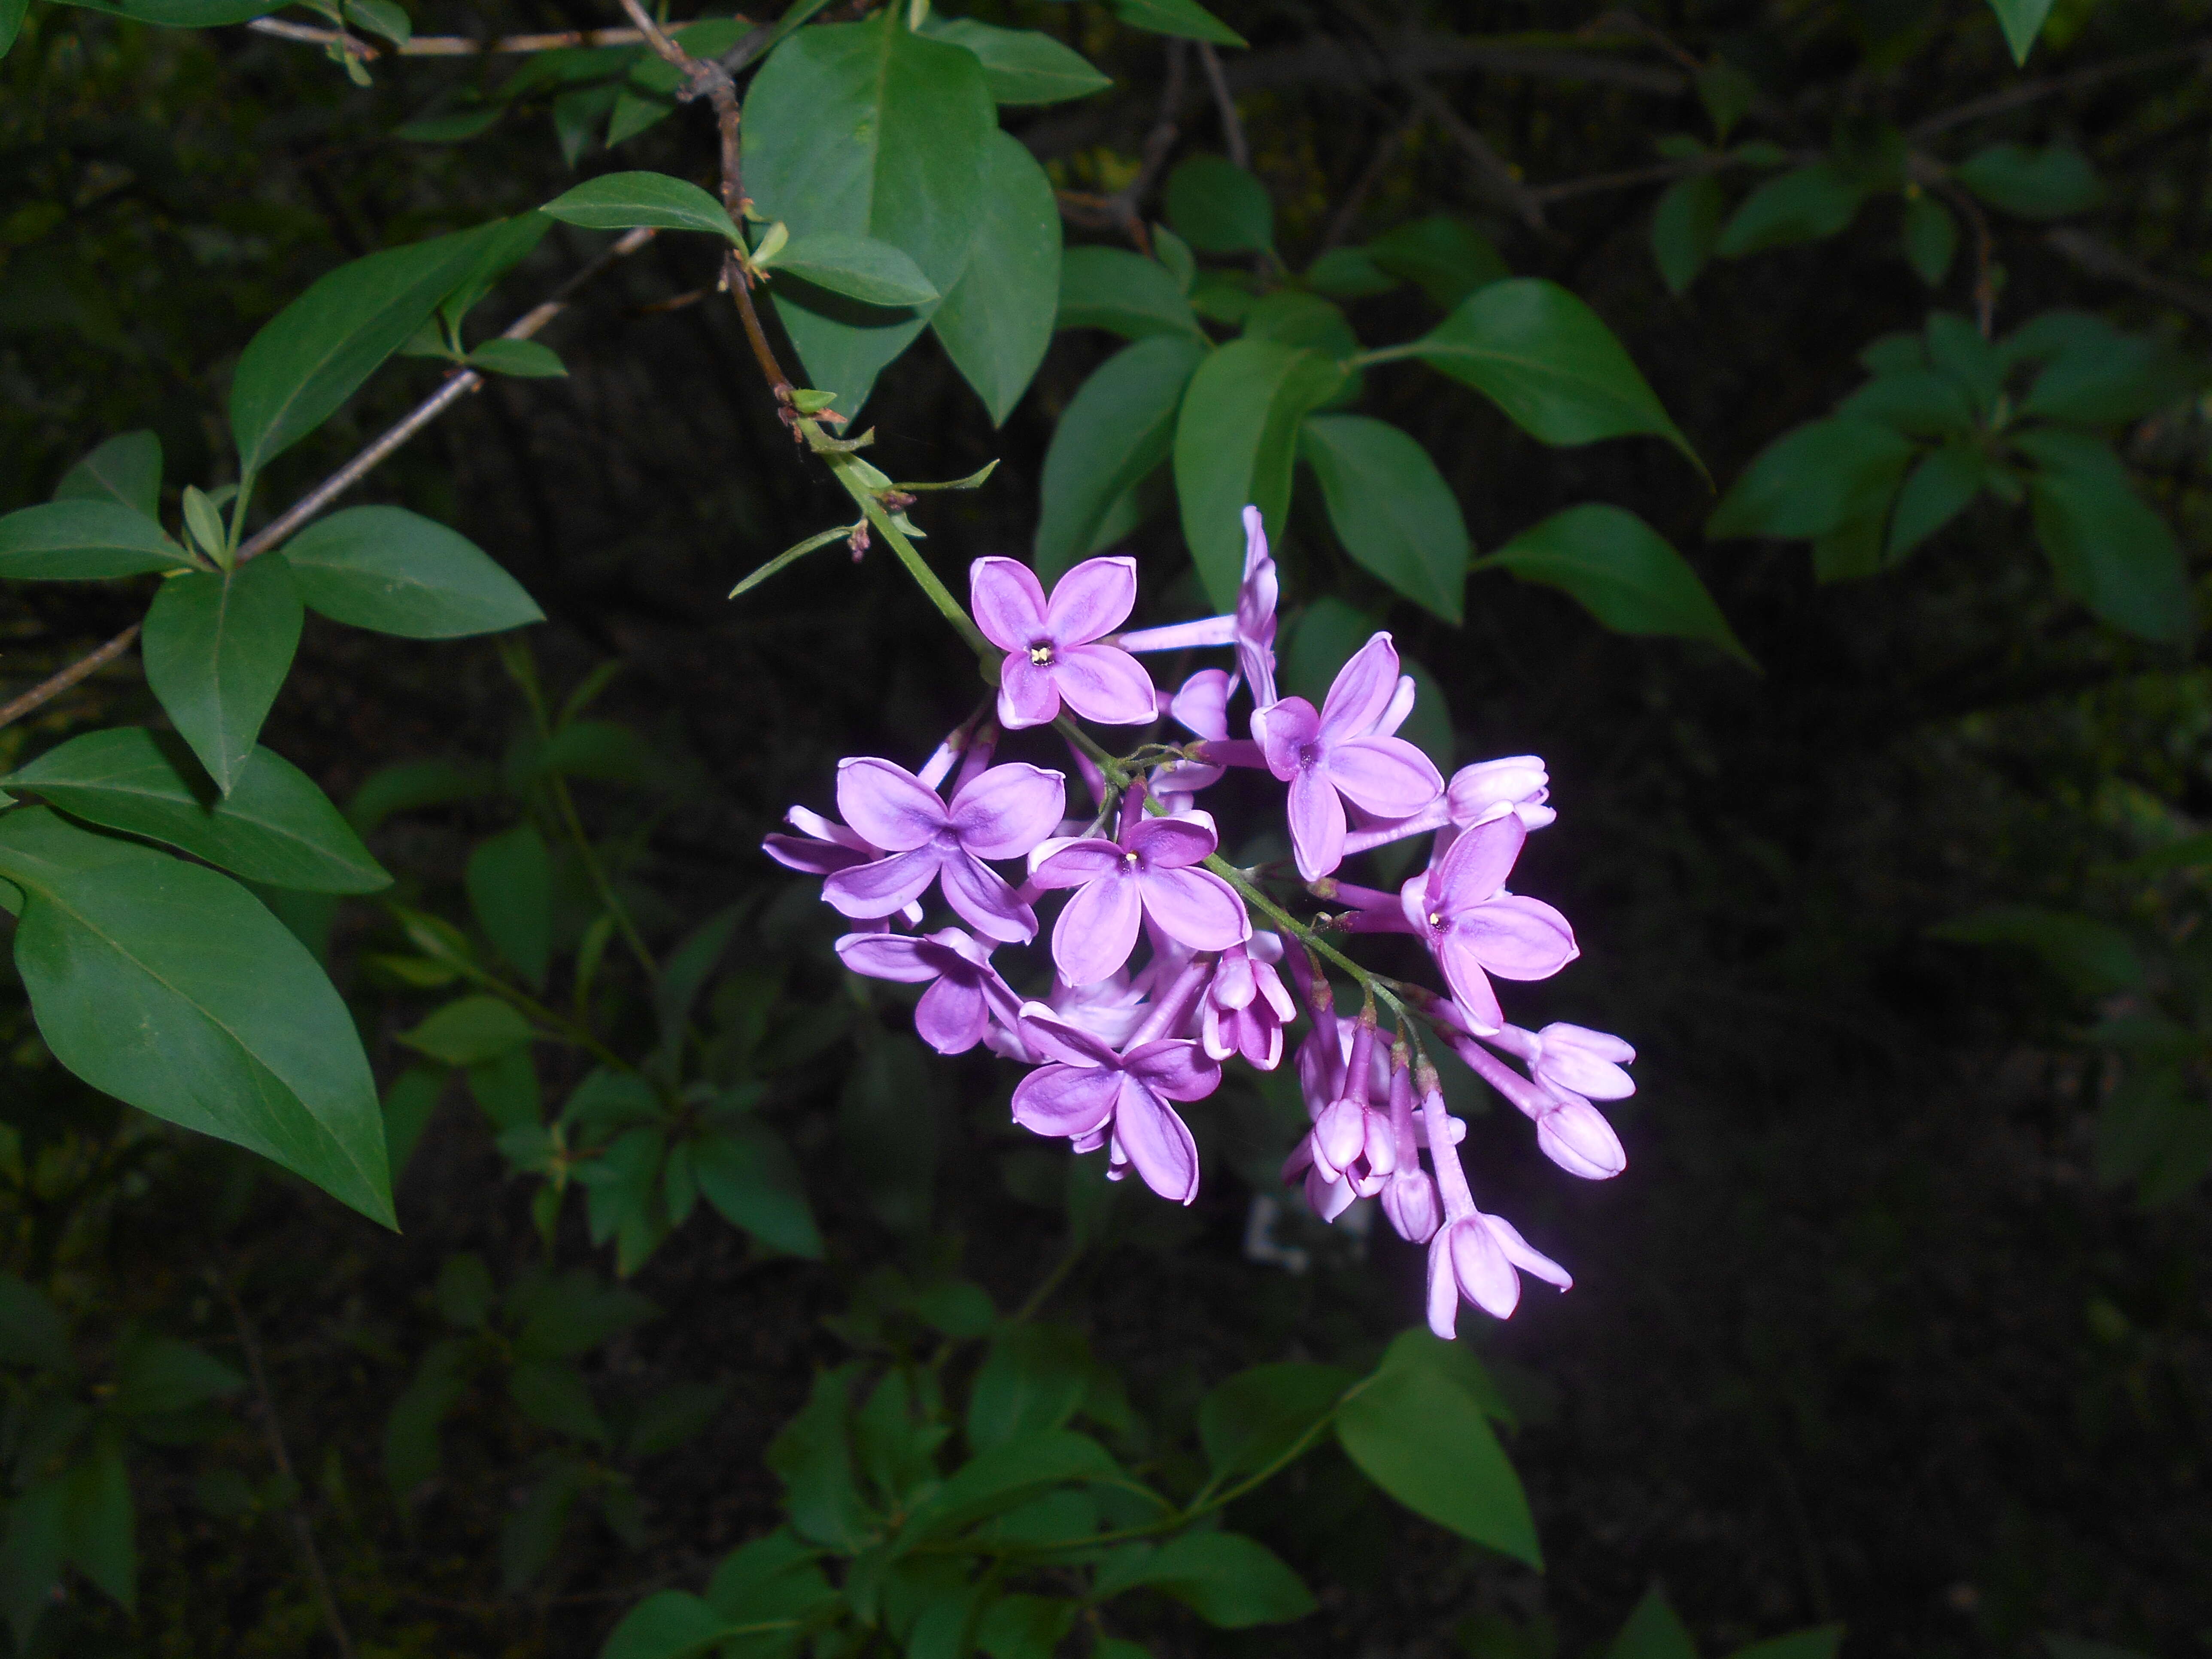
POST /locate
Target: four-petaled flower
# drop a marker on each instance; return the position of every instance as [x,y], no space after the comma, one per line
[1344,750]
[965,992]
[1053,654]
[1088,1092]
[1145,872]
[1001,814]
[1247,1005]
[1476,928]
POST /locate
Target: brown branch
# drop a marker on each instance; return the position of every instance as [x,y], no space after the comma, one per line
[2052,86]
[1232,129]
[1391,55]
[274,1432]
[1492,167]
[1985,278]
[450,45]
[2101,259]
[54,685]
[1347,212]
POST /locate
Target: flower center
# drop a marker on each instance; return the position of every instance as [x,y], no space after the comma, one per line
[1129,858]
[1436,918]
[1040,652]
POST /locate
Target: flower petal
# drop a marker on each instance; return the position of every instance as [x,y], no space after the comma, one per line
[1518,1251]
[1362,690]
[1003,812]
[808,856]
[1097,930]
[1156,1142]
[1092,600]
[1076,862]
[952,1016]
[1169,843]
[1576,1136]
[893,956]
[1175,1069]
[1477,866]
[1316,825]
[1486,1277]
[1064,1036]
[1195,907]
[1008,601]
[1027,693]
[1517,938]
[1201,708]
[1386,776]
[883,886]
[985,901]
[1067,1100]
[1470,986]
[887,804]
[1443,1287]
[1105,684]
[1284,730]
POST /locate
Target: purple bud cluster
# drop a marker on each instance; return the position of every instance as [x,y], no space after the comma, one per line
[1116,1049]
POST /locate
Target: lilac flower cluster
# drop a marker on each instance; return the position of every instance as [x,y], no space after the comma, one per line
[1114,1049]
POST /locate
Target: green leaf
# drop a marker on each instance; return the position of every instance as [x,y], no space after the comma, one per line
[564,1316]
[180,14]
[1621,571]
[998,320]
[1023,1627]
[505,244]
[409,1104]
[1008,1474]
[1444,254]
[1545,358]
[217,648]
[170,987]
[812,1455]
[1938,489]
[1652,1631]
[687,969]
[1113,288]
[666,1624]
[1034,1378]
[1020,66]
[86,541]
[32,1331]
[2094,956]
[678,1412]
[869,129]
[1956,347]
[1919,403]
[1391,508]
[1293,317]
[2035,184]
[1425,1441]
[1236,441]
[396,572]
[1348,273]
[1228,1579]
[412,784]
[1820,1642]
[859,266]
[2109,548]
[771,1577]
[411,1433]
[312,356]
[471,1032]
[1258,1415]
[1807,204]
[125,470]
[1811,479]
[510,884]
[524,359]
[1219,207]
[2098,375]
[380,17]
[1184,18]
[2021,20]
[624,201]
[1931,238]
[1685,227]
[99,1523]
[274,827]
[11,23]
[748,1175]
[506,1088]
[157,1375]
[31,1554]
[551,1394]
[531,1531]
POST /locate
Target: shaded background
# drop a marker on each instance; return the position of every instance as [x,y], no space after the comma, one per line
[1858,1337]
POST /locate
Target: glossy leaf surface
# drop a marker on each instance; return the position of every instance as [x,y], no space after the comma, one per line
[396,572]
[217,648]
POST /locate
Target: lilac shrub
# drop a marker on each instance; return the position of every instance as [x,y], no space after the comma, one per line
[1115,1049]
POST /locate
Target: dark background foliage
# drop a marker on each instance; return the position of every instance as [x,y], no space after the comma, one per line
[1859,1336]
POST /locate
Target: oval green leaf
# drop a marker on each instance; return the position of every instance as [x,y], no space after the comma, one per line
[1113,288]
[85,540]
[1425,1441]
[1020,66]
[126,470]
[216,649]
[998,320]
[275,826]
[1621,571]
[859,266]
[169,987]
[386,569]
[624,201]
[1391,508]
[1117,427]
[1219,207]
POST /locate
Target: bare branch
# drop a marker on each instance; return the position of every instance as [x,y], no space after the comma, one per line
[1347,212]
[445,46]
[2101,259]
[1232,130]
[54,685]
[2053,85]
[1504,184]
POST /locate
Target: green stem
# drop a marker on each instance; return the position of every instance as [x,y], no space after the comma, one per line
[1384,354]
[600,884]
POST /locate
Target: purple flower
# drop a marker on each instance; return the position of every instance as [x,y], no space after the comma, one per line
[1146,872]
[1342,751]
[1476,928]
[1473,1255]
[1052,648]
[965,992]
[1088,1091]
[1518,781]
[1251,630]
[822,846]
[1000,815]
[1247,1005]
